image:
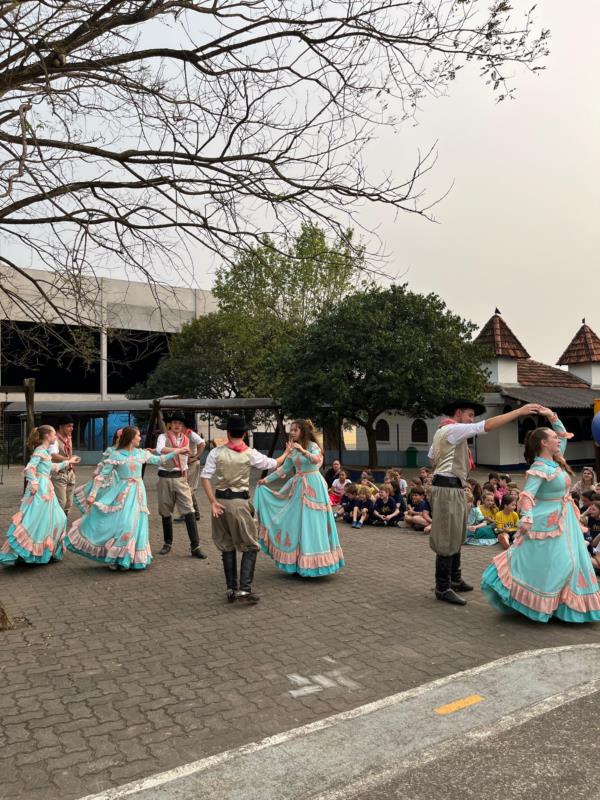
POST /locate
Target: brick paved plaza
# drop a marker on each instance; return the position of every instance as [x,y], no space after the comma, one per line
[121,675]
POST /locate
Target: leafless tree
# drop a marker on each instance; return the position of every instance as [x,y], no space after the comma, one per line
[139,133]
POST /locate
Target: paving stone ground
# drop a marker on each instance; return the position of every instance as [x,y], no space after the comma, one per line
[121,675]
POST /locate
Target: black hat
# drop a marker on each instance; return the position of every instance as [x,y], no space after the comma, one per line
[65,419]
[236,424]
[178,416]
[449,409]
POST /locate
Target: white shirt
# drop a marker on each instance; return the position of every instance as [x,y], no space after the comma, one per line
[163,442]
[53,449]
[257,460]
[459,431]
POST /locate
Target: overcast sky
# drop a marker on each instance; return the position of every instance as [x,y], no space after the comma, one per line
[520,228]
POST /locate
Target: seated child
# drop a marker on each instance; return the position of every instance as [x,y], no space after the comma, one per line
[348,502]
[396,475]
[501,489]
[366,479]
[418,514]
[386,512]
[507,522]
[396,492]
[590,521]
[363,509]
[488,508]
[479,530]
[586,499]
[337,488]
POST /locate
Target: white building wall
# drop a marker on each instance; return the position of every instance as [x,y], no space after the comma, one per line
[400,434]
[502,370]
[587,372]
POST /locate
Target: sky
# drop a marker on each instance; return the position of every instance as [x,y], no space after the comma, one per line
[520,227]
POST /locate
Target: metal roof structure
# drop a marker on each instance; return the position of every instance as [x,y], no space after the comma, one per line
[164,403]
[552,396]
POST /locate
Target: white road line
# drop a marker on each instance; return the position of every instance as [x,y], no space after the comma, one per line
[450,747]
[185,770]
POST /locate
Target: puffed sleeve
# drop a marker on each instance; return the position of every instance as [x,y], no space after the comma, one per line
[527,496]
[158,461]
[564,436]
[314,454]
[31,473]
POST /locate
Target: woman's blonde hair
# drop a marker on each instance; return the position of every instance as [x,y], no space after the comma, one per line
[37,436]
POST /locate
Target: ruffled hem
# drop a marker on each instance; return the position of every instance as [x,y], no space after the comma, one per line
[126,556]
[481,542]
[308,564]
[306,572]
[20,545]
[504,599]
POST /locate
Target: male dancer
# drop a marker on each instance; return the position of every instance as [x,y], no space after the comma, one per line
[233,523]
[193,474]
[62,450]
[449,454]
[173,488]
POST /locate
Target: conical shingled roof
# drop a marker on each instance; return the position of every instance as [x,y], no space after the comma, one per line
[496,335]
[584,348]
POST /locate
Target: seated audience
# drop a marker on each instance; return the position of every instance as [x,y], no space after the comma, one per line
[348,502]
[502,488]
[396,475]
[333,472]
[336,492]
[363,509]
[385,512]
[418,513]
[476,490]
[587,481]
[366,479]
[479,530]
[398,497]
[488,507]
[586,498]
[507,522]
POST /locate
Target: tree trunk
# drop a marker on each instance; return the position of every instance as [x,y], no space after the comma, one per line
[6,622]
[332,436]
[372,440]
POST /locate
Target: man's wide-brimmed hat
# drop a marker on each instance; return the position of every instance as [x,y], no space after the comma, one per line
[236,424]
[65,419]
[177,416]
[449,409]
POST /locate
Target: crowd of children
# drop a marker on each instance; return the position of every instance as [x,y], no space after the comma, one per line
[492,507]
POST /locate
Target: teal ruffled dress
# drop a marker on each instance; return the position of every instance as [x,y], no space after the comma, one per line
[114,529]
[547,571]
[81,493]
[296,524]
[38,527]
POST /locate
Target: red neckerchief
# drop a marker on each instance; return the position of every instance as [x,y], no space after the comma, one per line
[237,448]
[67,443]
[448,421]
[184,443]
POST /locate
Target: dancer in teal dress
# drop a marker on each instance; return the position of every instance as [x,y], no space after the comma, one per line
[547,571]
[114,530]
[38,527]
[82,493]
[296,523]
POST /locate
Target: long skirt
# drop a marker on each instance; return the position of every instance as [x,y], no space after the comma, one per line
[297,527]
[37,530]
[541,578]
[482,536]
[114,530]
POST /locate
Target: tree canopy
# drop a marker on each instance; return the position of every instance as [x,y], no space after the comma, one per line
[388,349]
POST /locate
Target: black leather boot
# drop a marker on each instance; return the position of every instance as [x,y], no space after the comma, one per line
[196,509]
[456,581]
[230,569]
[167,526]
[192,531]
[443,569]
[247,566]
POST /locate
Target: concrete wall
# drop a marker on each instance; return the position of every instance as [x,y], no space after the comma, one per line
[587,372]
[502,370]
[400,435]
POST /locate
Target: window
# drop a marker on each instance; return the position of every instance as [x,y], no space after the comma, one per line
[418,432]
[382,431]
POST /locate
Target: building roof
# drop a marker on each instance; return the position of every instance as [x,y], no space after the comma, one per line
[496,335]
[552,396]
[534,373]
[584,348]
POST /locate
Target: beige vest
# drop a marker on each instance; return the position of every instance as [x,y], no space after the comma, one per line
[233,469]
[450,459]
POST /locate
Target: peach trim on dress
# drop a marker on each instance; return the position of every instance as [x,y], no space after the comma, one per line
[51,542]
[108,550]
[544,602]
[305,560]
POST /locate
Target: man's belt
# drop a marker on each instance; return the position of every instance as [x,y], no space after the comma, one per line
[170,473]
[447,481]
[227,494]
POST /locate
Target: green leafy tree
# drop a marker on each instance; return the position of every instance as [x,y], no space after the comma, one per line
[289,284]
[214,356]
[383,350]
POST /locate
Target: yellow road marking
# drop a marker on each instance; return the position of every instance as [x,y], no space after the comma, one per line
[458,705]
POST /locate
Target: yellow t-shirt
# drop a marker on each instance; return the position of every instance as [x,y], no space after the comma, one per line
[489,513]
[507,522]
